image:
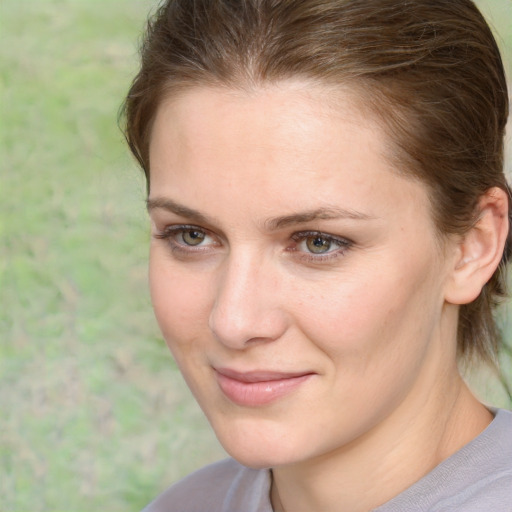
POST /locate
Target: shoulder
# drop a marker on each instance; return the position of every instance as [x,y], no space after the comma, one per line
[221,487]
[478,478]
[491,486]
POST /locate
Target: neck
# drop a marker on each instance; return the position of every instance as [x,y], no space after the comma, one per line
[426,429]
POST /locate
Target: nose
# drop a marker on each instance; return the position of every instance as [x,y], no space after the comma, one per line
[247,306]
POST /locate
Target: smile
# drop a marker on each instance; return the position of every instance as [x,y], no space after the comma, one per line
[252,389]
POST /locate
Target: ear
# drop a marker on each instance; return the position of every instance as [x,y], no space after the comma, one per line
[479,251]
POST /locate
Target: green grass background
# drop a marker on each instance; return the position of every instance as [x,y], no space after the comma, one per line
[93,413]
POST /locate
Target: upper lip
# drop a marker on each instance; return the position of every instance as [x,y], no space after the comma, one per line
[259,375]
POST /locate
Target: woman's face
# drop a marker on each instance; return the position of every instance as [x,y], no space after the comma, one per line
[297,278]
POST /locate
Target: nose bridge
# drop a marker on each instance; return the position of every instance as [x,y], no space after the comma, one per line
[245,309]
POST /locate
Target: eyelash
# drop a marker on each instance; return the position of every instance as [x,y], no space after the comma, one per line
[171,231]
[343,244]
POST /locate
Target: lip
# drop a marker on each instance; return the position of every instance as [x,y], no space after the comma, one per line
[257,388]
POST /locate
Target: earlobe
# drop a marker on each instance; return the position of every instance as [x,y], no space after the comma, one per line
[480,250]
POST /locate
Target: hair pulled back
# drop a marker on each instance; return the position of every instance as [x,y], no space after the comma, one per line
[429,69]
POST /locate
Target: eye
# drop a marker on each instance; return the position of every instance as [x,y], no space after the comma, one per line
[318,246]
[187,238]
[193,237]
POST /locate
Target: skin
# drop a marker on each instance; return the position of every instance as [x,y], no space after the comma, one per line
[373,320]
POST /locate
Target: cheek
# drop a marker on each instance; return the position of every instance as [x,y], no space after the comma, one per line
[180,301]
[374,335]
[364,319]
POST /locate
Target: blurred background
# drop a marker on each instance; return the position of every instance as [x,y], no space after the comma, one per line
[93,412]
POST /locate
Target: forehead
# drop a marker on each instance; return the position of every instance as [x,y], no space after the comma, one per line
[284,119]
[297,142]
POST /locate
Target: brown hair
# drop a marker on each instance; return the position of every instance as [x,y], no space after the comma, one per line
[430,69]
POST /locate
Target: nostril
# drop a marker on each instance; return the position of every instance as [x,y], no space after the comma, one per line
[245,309]
[231,328]
[244,326]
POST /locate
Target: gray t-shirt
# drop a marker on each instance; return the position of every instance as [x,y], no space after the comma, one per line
[477,478]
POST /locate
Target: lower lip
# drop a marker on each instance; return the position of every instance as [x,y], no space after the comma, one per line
[253,394]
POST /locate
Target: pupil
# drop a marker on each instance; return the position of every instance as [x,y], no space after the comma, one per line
[318,244]
[193,237]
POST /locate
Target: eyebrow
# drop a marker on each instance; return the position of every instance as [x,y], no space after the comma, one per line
[324,213]
[273,224]
[173,207]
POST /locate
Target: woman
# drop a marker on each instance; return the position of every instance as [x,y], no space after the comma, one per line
[330,224]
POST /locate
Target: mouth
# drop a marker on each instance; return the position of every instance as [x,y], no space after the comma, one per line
[257,388]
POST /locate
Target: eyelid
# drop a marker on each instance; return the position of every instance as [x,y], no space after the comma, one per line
[169,232]
[343,244]
[301,235]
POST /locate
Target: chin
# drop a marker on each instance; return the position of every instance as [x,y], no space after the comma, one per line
[259,457]
[258,445]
